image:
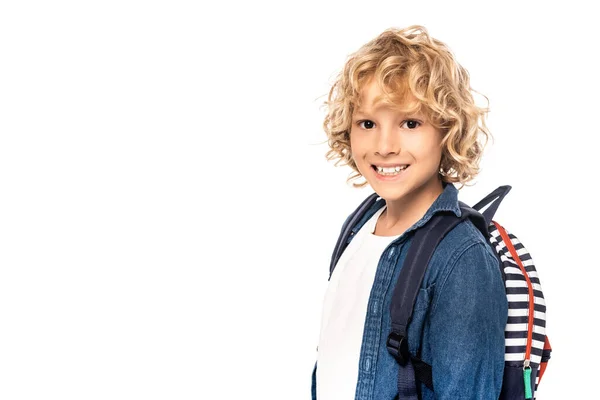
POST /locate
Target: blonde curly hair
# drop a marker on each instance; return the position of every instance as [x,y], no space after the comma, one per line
[409,61]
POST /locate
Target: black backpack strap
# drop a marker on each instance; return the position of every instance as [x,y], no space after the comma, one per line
[478,219]
[483,220]
[494,199]
[423,245]
[352,220]
[409,281]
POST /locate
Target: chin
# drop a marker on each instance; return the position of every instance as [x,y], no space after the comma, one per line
[391,193]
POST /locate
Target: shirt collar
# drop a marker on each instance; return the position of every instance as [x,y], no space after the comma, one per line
[446,201]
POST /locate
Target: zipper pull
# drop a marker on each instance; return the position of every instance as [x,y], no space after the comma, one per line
[527,378]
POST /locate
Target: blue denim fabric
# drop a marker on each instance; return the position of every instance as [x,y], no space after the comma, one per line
[458,320]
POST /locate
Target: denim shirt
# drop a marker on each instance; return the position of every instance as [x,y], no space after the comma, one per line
[458,319]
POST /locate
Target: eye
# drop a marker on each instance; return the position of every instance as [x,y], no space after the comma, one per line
[412,123]
[368,124]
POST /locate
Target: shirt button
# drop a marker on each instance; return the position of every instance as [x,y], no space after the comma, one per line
[367,364]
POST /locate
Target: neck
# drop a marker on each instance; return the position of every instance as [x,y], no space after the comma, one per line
[404,212]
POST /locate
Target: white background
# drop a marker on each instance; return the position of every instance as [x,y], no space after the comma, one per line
[167,214]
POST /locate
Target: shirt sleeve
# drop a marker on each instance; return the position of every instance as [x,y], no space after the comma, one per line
[467,322]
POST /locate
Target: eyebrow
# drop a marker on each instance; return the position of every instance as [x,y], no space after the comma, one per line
[364,112]
[413,114]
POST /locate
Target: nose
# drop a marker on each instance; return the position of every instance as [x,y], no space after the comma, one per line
[388,141]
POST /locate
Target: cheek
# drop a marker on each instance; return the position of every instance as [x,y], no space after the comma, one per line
[355,148]
[357,155]
[352,140]
[430,148]
[431,153]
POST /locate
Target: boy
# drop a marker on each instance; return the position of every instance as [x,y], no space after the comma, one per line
[401,115]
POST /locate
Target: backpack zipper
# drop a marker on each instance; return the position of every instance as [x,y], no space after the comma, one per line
[531,303]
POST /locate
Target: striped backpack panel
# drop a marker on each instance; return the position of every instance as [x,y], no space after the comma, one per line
[527,348]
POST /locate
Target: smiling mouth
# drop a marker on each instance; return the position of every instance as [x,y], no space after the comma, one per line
[391,171]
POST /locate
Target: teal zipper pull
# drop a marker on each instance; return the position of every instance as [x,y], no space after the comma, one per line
[527,378]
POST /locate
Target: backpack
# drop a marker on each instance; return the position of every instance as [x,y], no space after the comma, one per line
[527,349]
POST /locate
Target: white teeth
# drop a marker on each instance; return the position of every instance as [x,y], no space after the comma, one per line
[392,170]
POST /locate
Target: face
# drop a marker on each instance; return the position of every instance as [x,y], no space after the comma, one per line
[383,137]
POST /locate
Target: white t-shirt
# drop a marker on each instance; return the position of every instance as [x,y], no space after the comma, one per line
[344,312]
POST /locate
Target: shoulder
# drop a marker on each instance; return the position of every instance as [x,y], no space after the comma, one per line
[464,237]
[463,257]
